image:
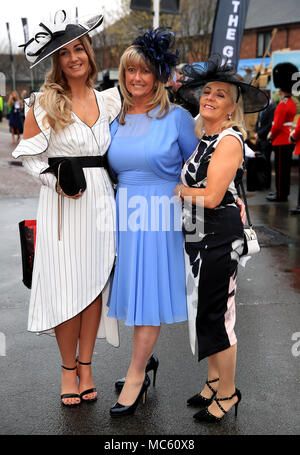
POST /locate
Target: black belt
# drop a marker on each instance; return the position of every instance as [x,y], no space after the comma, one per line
[83,161]
[70,176]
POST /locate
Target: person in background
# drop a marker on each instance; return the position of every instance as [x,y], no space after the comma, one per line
[1,108]
[250,120]
[24,95]
[295,139]
[279,135]
[262,129]
[173,87]
[15,115]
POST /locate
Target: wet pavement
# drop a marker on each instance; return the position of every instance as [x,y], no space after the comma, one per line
[268,331]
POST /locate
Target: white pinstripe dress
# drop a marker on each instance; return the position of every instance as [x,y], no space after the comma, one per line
[69,274]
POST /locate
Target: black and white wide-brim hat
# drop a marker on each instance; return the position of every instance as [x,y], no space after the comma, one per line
[197,75]
[50,37]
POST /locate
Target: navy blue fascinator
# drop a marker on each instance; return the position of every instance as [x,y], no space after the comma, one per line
[196,75]
[155,45]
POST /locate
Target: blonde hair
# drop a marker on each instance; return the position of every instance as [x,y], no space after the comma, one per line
[132,56]
[237,118]
[15,95]
[55,98]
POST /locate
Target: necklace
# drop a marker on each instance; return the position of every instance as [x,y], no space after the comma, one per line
[211,135]
[84,105]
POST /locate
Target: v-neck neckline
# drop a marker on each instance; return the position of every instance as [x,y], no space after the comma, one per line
[99,115]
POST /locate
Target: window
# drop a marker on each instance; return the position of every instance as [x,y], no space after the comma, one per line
[263,39]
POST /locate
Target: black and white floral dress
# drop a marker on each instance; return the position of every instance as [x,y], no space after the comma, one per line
[213,246]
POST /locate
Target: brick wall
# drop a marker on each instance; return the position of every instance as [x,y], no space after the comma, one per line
[248,46]
[286,37]
[294,37]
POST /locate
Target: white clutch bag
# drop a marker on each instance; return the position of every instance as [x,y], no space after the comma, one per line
[251,245]
[251,242]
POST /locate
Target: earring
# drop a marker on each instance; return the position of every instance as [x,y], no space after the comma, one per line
[229,116]
[155,88]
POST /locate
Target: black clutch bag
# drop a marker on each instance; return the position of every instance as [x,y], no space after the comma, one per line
[69,174]
[27,229]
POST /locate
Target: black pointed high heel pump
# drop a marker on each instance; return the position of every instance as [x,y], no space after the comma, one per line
[119,410]
[198,400]
[205,416]
[151,365]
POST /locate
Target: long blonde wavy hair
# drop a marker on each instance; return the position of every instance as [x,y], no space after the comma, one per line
[132,56]
[56,93]
[237,118]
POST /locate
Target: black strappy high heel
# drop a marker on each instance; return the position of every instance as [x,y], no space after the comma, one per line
[70,395]
[119,410]
[205,416]
[88,391]
[199,400]
[151,365]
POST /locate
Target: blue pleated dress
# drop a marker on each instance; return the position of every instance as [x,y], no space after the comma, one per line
[147,155]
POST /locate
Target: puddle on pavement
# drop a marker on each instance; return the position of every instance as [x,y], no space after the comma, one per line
[288,259]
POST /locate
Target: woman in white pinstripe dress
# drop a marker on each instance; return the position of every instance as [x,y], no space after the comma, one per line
[73,262]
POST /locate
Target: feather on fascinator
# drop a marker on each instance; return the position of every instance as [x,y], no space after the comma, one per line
[155,46]
[196,75]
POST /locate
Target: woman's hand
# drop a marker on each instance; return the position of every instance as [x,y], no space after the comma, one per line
[60,191]
[241,206]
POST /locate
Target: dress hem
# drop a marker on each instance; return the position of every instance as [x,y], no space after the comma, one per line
[45,330]
[152,325]
[215,351]
[50,331]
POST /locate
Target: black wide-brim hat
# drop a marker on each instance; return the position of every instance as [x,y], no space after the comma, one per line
[50,37]
[197,75]
[282,76]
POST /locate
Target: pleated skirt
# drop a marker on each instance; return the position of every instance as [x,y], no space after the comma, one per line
[149,281]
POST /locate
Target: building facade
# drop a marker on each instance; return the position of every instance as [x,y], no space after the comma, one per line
[262,18]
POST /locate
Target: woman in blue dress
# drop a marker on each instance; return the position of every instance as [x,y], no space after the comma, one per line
[150,141]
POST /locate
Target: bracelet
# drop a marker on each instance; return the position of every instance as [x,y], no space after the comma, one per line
[179,191]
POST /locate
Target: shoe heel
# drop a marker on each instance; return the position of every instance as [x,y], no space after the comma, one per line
[145,397]
[154,375]
[236,409]
[152,365]
[239,395]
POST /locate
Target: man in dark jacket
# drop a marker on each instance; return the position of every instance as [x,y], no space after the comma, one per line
[174,93]
[262,129]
